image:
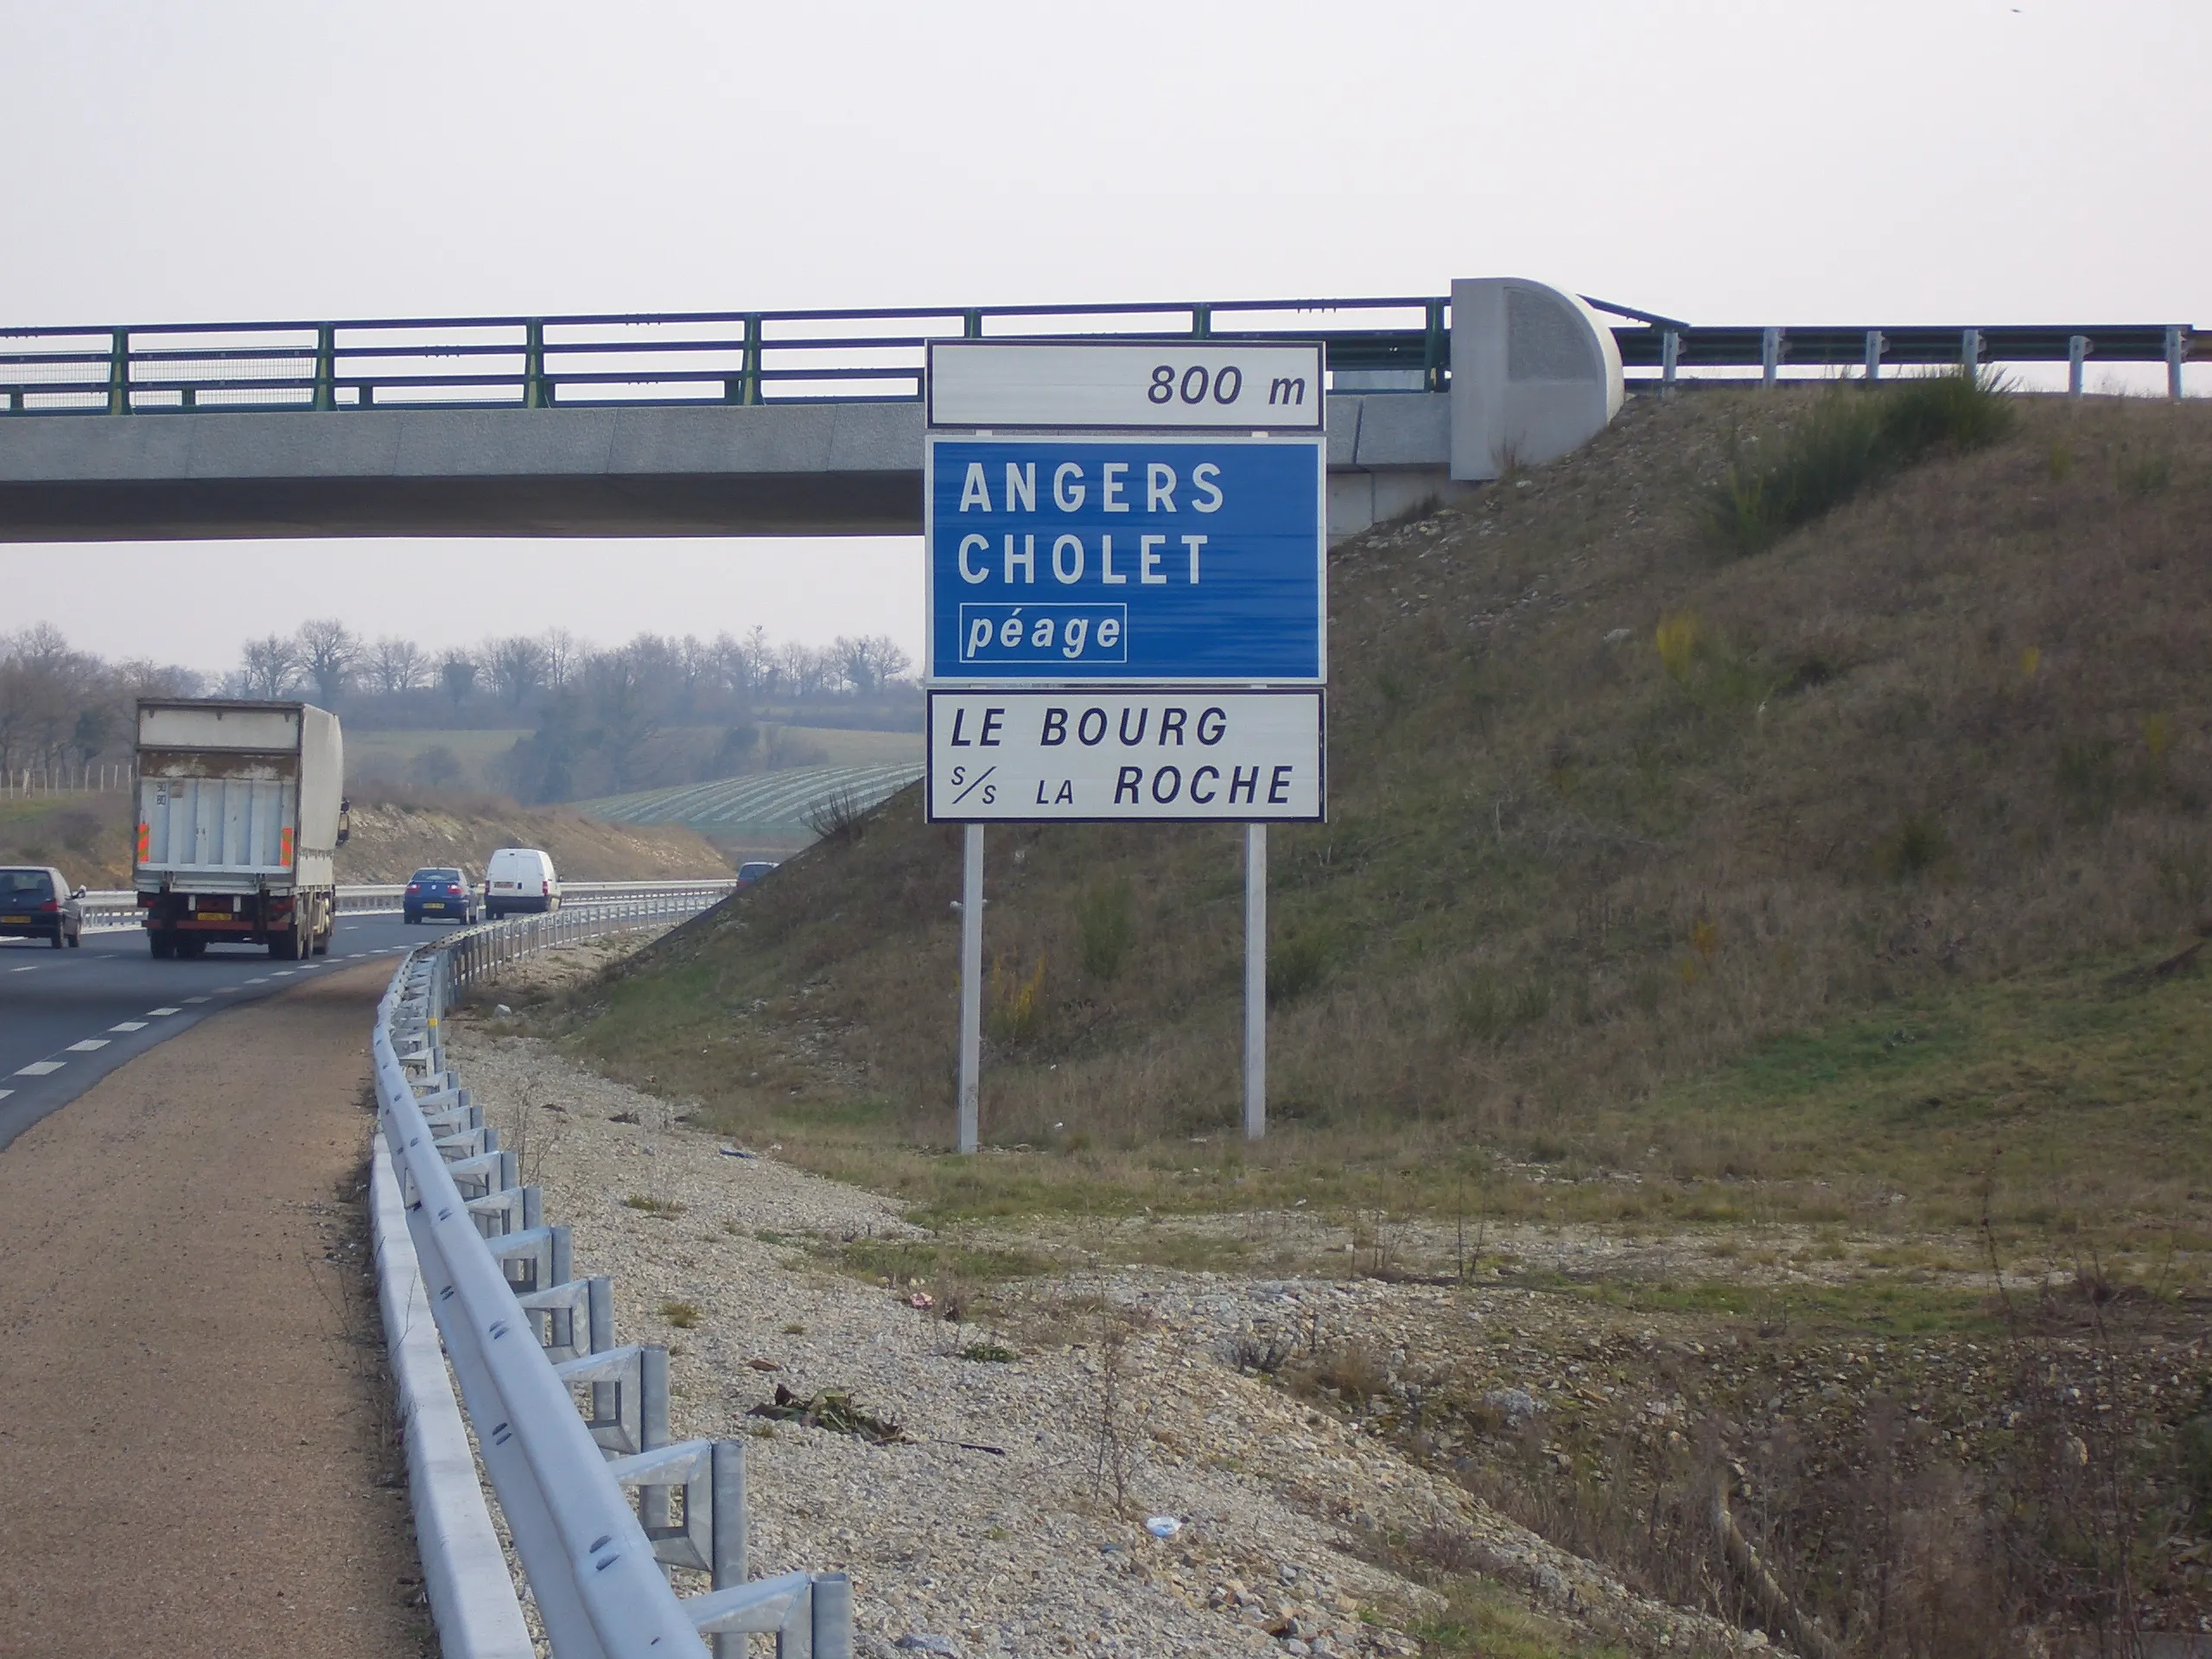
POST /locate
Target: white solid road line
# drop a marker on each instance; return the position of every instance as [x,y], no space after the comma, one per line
[88,1046]
[40,1068]
[152,1012]
[129,1025]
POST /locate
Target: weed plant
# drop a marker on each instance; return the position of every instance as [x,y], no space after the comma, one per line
[1851,439]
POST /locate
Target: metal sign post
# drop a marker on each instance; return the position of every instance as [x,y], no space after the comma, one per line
[972,983]
[1127,557]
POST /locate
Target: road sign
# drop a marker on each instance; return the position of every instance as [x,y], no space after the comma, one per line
[1084,756]
[1110,384]
[1162,558]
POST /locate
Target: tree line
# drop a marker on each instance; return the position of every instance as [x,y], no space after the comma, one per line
[328,662]
[660,709]
[61,709]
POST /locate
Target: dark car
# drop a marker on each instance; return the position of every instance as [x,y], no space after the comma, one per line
[441,892]
[36,902]
[756,870]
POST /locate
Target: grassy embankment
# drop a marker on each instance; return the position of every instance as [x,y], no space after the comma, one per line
[1792,807]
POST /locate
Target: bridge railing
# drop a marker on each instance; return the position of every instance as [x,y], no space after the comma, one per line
[1400,343]
[571,1426]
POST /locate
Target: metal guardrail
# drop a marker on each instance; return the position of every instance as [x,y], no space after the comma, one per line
[113,907]
[565,1472]
[1400,342]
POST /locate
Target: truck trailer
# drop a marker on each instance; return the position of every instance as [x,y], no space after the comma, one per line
[241,809]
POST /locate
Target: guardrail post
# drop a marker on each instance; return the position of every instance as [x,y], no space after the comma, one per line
[1769,355]
[598,1312]
[730,1563]
[2174,332]
[1874,345]
[119,372]
[536,392]
[652,1428]
[2078,347]
[1201,322]
[1435,348]
[1670,347]
[1970,351]
[325,366]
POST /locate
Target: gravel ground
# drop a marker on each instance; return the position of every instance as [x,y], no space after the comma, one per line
[1011,1518]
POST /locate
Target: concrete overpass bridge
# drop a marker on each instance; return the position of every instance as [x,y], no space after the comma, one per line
[760,423]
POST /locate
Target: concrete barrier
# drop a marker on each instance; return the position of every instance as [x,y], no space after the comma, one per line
[1534,376]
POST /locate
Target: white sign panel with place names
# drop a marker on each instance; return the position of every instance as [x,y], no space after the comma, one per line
[1102,755]
[1118,384]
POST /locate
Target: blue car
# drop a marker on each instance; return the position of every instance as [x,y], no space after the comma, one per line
[441,893]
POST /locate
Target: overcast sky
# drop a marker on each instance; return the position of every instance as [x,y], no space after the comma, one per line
[1797,160]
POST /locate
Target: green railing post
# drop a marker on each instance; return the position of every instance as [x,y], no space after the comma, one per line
[325,366]
[535,394]
[1435,348]
[752,357]
[119,373]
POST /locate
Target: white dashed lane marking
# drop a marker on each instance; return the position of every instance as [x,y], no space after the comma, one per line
[202,999]
[88,1045]
[40,1068]
[129,1025]
[155,1013]
[250,981]
[29,968]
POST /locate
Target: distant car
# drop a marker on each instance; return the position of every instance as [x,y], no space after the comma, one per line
[36,902]
[519,878]
[439,893]
[755,871]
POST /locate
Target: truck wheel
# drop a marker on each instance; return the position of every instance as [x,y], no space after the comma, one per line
[285,946]
[192,948]
[163,945]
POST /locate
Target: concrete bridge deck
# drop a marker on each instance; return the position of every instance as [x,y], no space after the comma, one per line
[766,469]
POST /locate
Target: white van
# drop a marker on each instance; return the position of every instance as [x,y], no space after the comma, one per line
[519,878]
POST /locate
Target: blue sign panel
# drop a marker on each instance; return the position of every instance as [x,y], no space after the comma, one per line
[1060,560]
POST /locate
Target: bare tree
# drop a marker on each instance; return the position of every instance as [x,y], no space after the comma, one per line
[515,665]
[560,651]
[269,665]
[398,665]
[328,651]
[457,675]
[868,662]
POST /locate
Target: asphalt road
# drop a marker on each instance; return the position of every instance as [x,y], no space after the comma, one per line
[68,1018]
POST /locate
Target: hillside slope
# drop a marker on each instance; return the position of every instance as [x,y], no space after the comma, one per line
[1866,867]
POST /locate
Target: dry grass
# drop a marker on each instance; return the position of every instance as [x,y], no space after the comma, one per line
[1614,821]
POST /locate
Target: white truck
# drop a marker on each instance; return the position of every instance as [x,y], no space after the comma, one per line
[241,808]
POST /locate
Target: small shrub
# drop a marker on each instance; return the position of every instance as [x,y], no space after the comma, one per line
[1105,915]
[1915,847]
[658,1209]
[2143,475]
[988,1353]
[1016,1004]
[2089,777]
[684,1316]
[1490,1008]
[837,816]
[1852,438]
[1296,964]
